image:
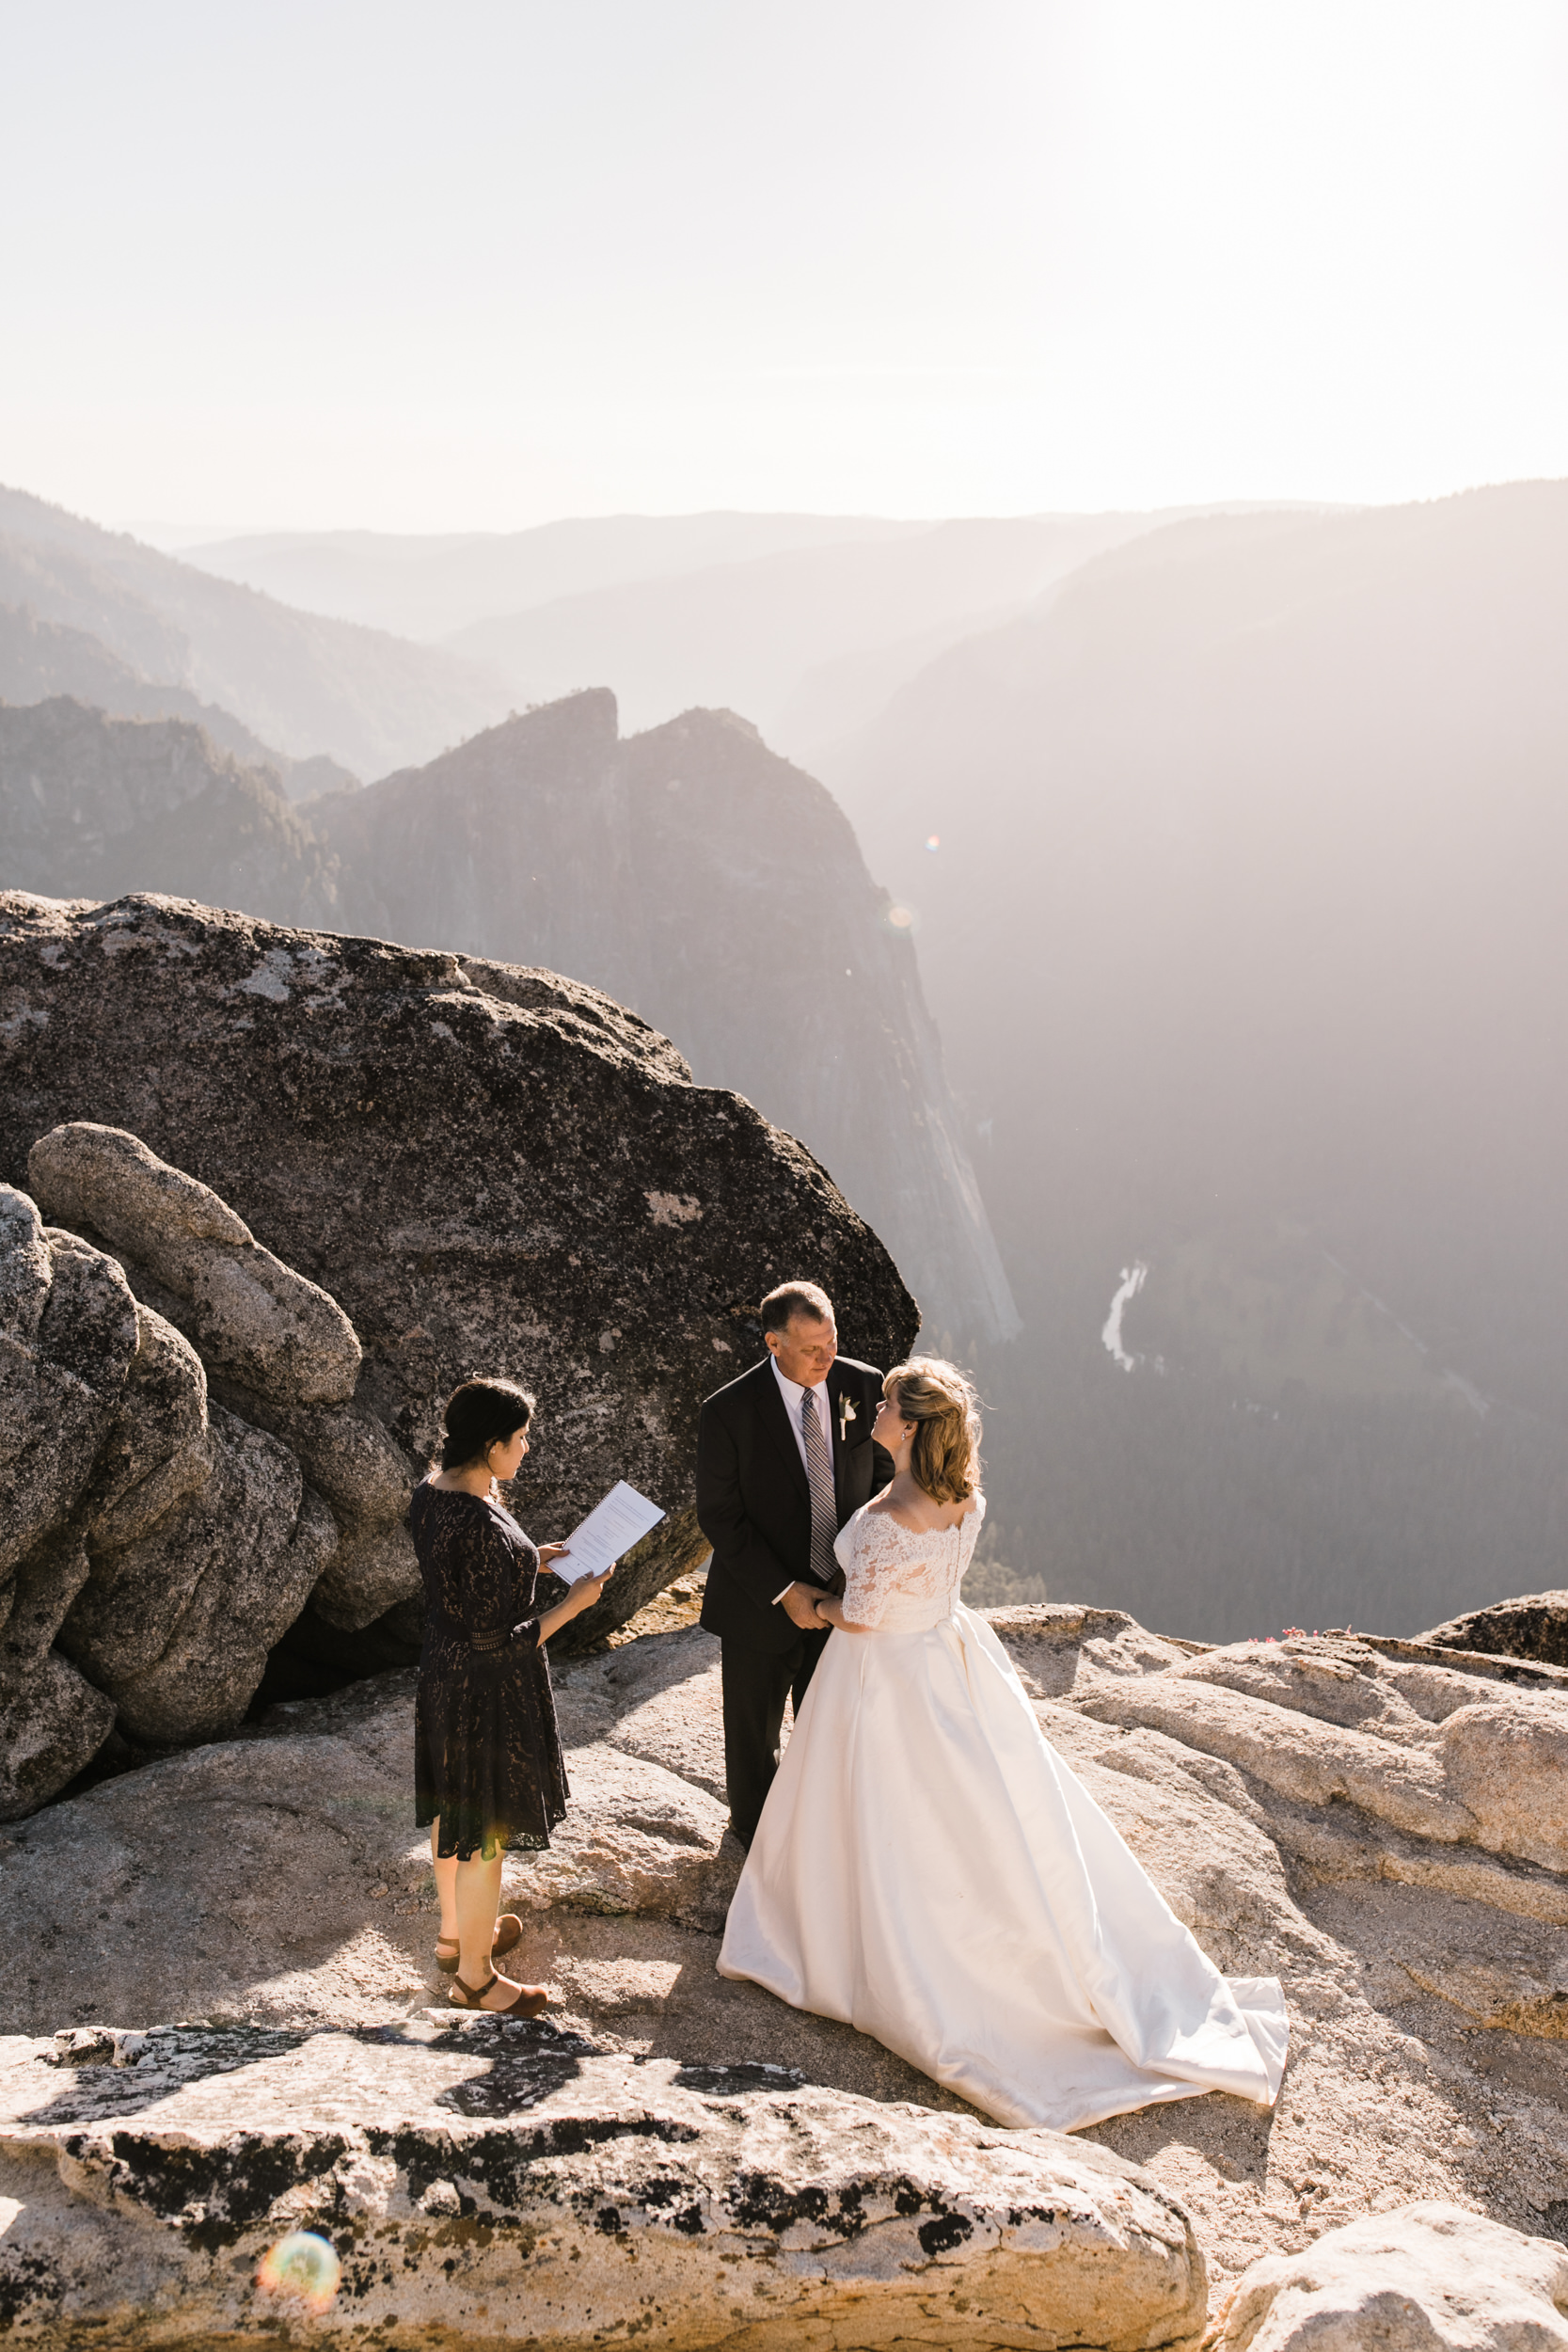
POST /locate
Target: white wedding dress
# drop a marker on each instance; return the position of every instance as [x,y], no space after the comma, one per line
[929,1870]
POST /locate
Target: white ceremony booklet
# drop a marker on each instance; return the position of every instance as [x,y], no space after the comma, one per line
[610,1529]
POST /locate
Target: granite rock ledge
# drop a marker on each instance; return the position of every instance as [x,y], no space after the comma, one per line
[483,2183]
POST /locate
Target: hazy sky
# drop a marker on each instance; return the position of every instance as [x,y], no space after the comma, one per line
[476,265]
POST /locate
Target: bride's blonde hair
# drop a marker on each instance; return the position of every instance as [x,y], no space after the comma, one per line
[945,1461]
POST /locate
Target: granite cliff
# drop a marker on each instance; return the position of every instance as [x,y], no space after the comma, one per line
[91,806]
[694,875]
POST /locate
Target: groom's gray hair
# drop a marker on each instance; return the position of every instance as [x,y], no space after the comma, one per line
[795,1298]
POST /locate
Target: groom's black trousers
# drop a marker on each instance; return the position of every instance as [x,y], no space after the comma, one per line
[756,1683]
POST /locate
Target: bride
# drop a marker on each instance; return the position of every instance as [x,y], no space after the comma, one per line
[928,1869]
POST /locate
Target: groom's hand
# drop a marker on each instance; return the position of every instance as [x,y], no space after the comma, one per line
[799,1604]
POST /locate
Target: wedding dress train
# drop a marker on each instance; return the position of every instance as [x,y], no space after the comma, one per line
[930,1872]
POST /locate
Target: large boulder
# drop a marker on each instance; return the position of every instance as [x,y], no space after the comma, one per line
[159,1547]
[250,1316]
[68,1340]
[68,1334]
[516,1176]
[1430,2278]
[279,1346]
[482,2184]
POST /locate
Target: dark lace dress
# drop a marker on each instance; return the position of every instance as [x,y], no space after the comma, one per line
[486,1752]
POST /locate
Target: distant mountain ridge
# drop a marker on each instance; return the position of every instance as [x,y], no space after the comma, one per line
[688,872]
[306,685]
[806,623]
[428,587]
[42,659]
[754,635]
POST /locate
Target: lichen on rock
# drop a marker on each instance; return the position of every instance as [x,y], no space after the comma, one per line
[518,2181]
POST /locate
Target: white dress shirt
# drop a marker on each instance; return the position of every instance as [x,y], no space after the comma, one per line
[792,1393]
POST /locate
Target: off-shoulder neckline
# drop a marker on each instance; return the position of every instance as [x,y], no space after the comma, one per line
[885,1518]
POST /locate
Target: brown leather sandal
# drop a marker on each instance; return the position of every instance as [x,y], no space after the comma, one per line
[528,2004]
[509,1928]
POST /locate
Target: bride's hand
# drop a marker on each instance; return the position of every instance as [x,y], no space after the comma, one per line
[552,1551]
[830,1611]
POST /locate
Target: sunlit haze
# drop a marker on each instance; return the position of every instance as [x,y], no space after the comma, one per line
[475,267]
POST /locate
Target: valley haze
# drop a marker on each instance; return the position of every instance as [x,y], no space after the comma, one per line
[1198,909]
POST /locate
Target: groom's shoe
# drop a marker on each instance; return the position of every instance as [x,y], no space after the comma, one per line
[744,1843]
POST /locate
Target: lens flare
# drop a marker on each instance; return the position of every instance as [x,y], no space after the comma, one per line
[302,2267]
[933,840]
[900,917]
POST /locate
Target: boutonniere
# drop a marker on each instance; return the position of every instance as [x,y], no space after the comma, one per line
[847,1413]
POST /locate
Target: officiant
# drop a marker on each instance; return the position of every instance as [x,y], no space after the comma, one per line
[784,1457]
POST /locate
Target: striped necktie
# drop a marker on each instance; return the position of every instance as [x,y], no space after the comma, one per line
[824,1509]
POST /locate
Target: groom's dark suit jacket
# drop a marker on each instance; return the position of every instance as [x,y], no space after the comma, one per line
[753,1499]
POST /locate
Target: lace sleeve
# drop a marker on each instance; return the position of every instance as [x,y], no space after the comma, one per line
[970,1532]
[869,1554]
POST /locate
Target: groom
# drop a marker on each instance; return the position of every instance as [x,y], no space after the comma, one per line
[784,1455]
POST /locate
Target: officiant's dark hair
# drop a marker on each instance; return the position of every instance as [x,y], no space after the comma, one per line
[795,1298]
[945,1460]
[480,1414]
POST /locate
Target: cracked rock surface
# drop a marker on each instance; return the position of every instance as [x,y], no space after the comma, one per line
[158,1546]
[1425,1971]
[1299,1805]
[483,2182]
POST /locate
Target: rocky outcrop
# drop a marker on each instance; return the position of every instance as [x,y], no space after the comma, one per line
[166,1544]
[280,1345]
[91,806]
[1431,2279]
[1535,1624]
[1429,1752]
[250,1314]
[301,681]
[161,1546]
[361,1147]
[477,2186]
